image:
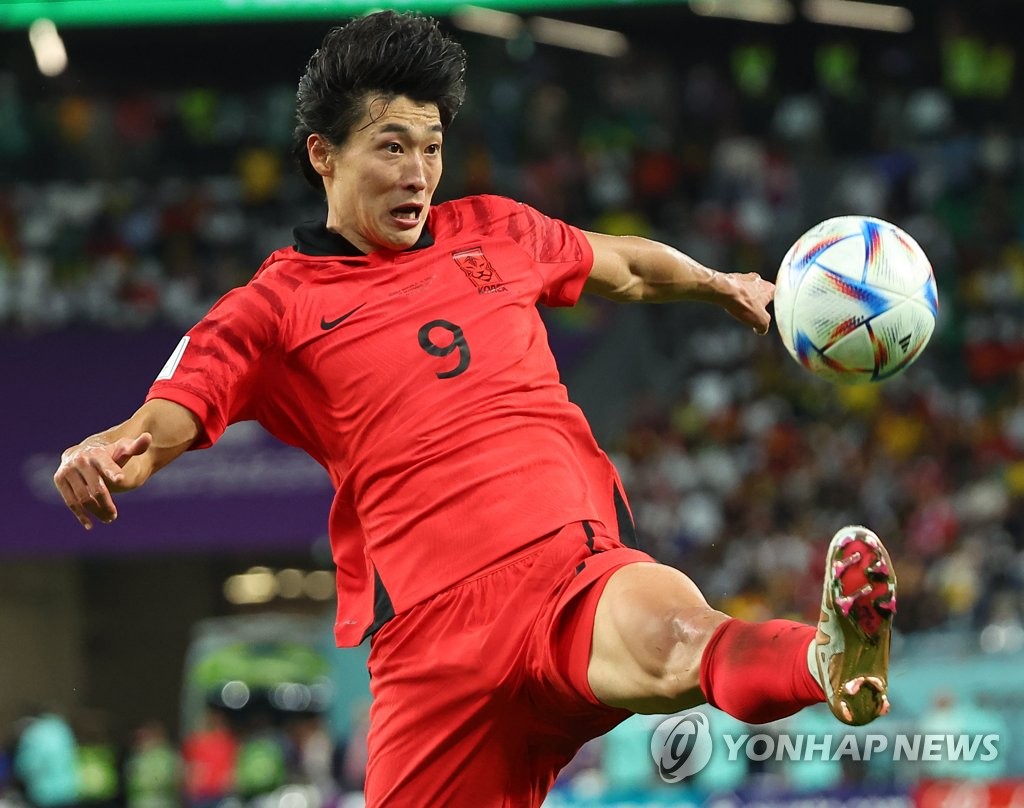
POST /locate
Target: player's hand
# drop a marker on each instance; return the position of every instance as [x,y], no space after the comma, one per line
[747,299]
[89,472]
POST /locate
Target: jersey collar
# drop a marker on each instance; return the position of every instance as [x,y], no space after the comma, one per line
[313,238]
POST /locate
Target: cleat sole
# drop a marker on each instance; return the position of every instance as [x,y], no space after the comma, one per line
[858,604]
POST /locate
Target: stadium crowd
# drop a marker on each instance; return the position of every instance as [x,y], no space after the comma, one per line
[737,463]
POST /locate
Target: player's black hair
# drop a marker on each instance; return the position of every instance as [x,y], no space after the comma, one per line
[388,53]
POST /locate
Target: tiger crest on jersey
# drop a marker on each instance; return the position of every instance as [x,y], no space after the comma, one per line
[481,273]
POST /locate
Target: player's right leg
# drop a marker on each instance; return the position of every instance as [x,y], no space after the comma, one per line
[651,627]
[658,647]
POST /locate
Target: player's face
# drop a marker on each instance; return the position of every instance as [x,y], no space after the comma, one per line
[385,174]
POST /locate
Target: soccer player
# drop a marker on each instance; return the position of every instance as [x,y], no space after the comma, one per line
[482,539]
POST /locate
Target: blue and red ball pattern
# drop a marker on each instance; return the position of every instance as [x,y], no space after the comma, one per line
[855,300]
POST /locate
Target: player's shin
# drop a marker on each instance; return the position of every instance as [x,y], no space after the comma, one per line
[758,672]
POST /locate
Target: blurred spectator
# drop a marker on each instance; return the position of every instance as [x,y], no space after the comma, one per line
[153,771]
[354,755]
[951,718]
[99,781]
[210,754]
[313,753]
[625,759]
[45,760]
[260,765]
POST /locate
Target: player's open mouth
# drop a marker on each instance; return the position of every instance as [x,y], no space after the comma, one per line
[407,215]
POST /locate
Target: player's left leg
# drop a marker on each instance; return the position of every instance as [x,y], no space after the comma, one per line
[471,709]
[445,726]
[657,645]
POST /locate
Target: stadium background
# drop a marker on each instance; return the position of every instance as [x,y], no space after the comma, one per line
[151,175]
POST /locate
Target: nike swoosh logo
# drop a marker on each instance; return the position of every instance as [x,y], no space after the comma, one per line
[327,325]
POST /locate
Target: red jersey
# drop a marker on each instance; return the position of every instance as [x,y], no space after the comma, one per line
[423,383]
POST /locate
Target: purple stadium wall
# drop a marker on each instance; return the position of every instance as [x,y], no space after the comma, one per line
[248,491]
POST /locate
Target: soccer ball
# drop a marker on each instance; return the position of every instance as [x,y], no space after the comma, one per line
[855,300]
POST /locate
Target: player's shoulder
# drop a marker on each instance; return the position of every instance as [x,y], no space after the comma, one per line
[283,265]
[486,214]
[271,288]
[285,270]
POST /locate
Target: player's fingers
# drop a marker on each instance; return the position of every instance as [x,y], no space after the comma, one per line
[765,299]
[69,499]
[753,315]
[72,489]
[101,502]
[91,492]
[79,488]
[143,442]
[126,448]
[107,467]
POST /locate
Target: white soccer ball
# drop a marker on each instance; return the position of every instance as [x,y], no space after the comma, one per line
[855,300]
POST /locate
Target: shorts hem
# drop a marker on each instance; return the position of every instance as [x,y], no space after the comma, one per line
[588,588]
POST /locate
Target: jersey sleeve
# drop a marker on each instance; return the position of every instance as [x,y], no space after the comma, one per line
[215,370]
[561,253]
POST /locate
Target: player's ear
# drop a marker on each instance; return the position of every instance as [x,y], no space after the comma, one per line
[321,155]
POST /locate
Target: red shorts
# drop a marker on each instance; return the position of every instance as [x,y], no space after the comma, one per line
[480,694]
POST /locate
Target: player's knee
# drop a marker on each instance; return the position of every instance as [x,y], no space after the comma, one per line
[657,668]
[672,654]
[651,628]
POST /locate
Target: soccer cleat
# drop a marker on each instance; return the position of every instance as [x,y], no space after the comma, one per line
[852,645]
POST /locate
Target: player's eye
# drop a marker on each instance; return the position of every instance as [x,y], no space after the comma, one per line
[393,148]
[434,148]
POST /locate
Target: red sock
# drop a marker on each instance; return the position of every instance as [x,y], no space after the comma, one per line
[757,672]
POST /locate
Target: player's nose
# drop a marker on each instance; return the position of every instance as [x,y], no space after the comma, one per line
[415,174]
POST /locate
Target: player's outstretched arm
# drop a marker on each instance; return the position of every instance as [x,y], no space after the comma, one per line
[122,458]
[634,269]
